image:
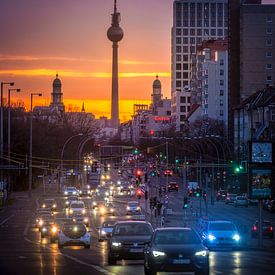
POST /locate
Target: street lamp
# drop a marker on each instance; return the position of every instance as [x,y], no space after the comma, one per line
[2,121]
[9,126]
[61,158]
[30,161]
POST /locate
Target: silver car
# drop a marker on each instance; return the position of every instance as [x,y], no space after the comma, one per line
[241,201]
[105,230]
[133,208]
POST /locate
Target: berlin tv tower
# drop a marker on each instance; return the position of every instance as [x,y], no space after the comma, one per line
[115,34]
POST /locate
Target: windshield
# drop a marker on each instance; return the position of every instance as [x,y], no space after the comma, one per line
[132,229]
[77,205]
[108,224]
[176,237]
[222,226]
[71,189]
[72,198]
[133,204]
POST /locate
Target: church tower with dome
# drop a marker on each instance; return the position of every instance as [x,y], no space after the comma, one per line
[156,96]
[57,96]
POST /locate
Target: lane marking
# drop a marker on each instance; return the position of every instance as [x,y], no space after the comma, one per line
[5,220]
[26,228]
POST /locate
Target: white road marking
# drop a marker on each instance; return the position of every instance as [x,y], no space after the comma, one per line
[5,220]
[217,272]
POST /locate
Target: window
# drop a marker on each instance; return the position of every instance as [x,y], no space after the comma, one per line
[185,49]
[213,23]
[185,40]
[199,32]
[178,66]
[178,57]
[192,31]
[185,75]
[178,49]
[189,99]
[220,23]
[185,23]
[272,115]
[268,54]
[188,108]
[192,23]
[185,83]
[221,102]
[199,40]
[182,117]
[199,23]
[185,66]
[185,57]
[206,32]
[213,32]
[185,32]
[221,92]
[178,75]
[221,72]
[221,112]
[268,66]
[178,84]
[206,23]
[268,30]
[192,40]
[220,32]
[221,82]
[269,19]
[178,31]
[221,62]
[192,49]
[269,78]
[268,42]
[182,99]
[178,40]
[182,109]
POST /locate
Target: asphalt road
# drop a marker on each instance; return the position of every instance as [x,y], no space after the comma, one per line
[22,251]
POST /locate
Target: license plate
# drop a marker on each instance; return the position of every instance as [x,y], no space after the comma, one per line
[136,250]
[181,261]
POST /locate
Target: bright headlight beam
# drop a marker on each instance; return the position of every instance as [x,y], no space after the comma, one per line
[236,237]
[211,237]
[158,253]
[202,253]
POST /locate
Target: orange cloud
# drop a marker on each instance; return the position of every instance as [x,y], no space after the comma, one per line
[79,74]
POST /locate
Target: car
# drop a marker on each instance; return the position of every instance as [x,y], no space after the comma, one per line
[267,229]
[74,234]
[133,208]
[43,219]
[128,240]
[221,234]
[49,204]
[230,198]
[69,200]
[271,206]
[221,195]
[94,205]
[77,207]
[176,249]
[168,173]
[85,192]
[70,191]
[46,227]
[110,209]
[80,218]
[39,213]
[105,230]
[55,227]
[241,201]
[119,172]
[173,186]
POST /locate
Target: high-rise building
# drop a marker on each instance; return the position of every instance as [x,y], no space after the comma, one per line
[257,51]
[193,22]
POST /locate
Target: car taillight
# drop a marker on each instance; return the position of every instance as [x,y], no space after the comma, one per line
[219,194]
[254,228]
[177,185]
[271,228]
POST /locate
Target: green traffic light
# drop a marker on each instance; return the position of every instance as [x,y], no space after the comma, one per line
[136,151]
[185,205]
[197,194]
[237,169]
[177,161]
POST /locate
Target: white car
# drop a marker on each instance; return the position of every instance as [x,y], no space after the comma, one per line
[77,207]
[133,208]
[105,230]
[71,191]
[74,234]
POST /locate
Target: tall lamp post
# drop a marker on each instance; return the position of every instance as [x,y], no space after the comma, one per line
[30,160]
[61,157]
[2,122]
[9,128]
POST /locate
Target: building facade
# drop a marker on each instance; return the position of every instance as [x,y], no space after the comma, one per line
[193,22]
[257,51]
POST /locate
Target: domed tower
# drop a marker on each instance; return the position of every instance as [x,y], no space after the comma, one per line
[156,95]
[57,100]
[115,34]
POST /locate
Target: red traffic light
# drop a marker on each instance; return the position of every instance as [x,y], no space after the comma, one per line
[139,172]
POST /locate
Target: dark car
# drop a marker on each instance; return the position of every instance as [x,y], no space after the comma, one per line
[173,186]
[128,240]
[267,229]
[221,195]
[176,249]
[230,198]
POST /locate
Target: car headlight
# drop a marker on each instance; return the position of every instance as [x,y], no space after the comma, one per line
[71,211]
[202,253]
[128,208]
[116,244]
[138,208]
[67,202]
[83,211]
[94,203]
[236,237]
[158,253]
[80,192]
[43,205]
[86,220]
[103,232]
[66,193]
[112,209]
[211,237]
[40,222]
[102,210]
[54,229]
[88,191]
[75,229]
[44,229]
[54,205]
[74,192]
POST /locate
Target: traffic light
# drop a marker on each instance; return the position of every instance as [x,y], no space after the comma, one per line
[153,173]
[177,161]
[139,173]
[136,151]
[238,169]
[185,202]
[198,192]
[139,194]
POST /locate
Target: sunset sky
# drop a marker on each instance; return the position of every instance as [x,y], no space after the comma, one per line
[39,38]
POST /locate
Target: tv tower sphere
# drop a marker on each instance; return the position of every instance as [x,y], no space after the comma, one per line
[115,34]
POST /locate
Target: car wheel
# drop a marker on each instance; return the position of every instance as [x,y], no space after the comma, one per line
[111,260]
[148,271]
[87,246]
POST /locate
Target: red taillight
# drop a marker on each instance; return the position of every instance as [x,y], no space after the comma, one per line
[271,228]
[177,186]
[254,228]
[219,194]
